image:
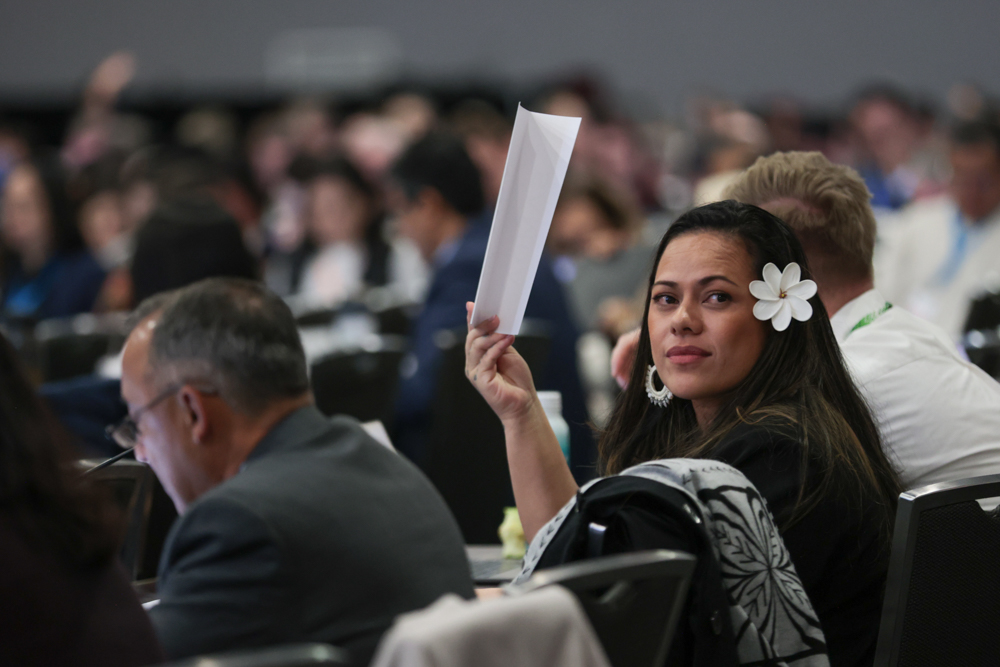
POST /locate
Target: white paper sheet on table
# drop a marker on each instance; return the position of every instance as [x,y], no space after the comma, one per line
[540,147]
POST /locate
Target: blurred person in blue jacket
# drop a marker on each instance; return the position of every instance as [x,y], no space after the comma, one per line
[440,203]
[45,271]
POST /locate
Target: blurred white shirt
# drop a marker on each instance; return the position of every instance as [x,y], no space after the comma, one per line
[938,414]
[409,275]
[934,263]
[334,274]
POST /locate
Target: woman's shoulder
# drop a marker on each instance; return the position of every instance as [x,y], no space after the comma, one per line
[768,451]
[766,431]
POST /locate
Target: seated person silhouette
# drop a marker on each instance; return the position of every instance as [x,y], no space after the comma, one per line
[294,527]
[439,202]
[64,596]
[736,363]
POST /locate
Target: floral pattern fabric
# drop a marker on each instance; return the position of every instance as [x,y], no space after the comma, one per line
[773,620]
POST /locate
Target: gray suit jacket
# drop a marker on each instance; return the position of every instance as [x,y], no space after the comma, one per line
[324,535]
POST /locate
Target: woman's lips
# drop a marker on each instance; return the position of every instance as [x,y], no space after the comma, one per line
[686,354]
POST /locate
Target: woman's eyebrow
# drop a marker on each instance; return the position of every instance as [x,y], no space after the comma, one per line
[708,279]
[704,281]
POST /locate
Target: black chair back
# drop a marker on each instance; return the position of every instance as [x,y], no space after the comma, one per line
[292,655]
[394,312]
[318,317]
[466,457]
[131,485]
[397,320]
[982,346]
[984,312]
[360,382]
[634,601]
[982,332]
[70,347]
[942,598]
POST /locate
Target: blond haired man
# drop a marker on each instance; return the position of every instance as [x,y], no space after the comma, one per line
[939,415]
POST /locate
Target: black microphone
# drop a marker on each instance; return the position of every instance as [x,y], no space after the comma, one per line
[111,461]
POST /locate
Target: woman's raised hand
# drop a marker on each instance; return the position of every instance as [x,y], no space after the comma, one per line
[538,472]
[623,357]
[496,370]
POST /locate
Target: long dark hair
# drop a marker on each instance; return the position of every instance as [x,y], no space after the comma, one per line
[41,493]
[799,384]
[61,211]
[339,166]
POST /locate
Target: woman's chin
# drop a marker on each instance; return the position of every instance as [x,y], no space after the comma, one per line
[688,393]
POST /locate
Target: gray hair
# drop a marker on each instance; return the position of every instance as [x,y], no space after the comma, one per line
[232,334]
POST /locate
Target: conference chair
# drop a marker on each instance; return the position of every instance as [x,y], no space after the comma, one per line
[70,347]
[633,601]
[545,628]
[982,346]
[942,597]
[360,381]
[307,316]
[131,484]
[292,655]
[466,457]
[317,317]
[982,332]
[395,319]
[390,315]
[984,311]
[394,312]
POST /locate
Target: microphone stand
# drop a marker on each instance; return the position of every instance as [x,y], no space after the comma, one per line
[108,462]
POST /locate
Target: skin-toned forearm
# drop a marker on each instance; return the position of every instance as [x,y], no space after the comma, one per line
[539,474]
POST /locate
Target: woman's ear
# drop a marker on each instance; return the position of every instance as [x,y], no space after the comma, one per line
[195,413]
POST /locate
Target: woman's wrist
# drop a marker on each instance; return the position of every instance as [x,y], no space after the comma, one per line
[521,420]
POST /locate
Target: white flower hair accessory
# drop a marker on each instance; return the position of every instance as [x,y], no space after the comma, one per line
[782,296]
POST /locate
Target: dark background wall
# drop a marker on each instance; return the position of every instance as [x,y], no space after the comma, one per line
[654,51]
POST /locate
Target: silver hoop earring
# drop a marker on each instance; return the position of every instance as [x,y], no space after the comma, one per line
[661,397]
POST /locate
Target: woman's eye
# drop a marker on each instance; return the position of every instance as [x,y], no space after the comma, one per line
[719,297]
[664,298]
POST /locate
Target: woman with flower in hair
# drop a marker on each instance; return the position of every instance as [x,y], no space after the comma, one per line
[736,363]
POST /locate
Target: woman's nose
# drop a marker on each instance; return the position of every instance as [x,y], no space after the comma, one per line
[686,318]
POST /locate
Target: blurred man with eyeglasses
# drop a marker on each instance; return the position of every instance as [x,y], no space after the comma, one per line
[293,526]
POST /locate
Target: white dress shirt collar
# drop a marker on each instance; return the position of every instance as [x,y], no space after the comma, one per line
[855,310]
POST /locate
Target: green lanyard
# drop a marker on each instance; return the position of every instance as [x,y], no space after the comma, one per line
[869,318]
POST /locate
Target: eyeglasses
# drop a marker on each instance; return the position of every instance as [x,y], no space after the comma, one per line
[126,432]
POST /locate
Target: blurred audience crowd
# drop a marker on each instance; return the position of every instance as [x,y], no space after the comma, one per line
[355,227]
[303,194]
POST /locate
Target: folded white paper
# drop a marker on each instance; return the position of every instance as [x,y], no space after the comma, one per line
[540,147]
